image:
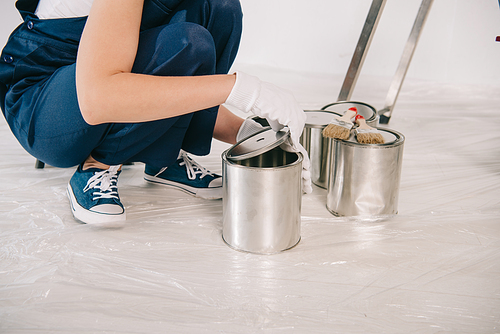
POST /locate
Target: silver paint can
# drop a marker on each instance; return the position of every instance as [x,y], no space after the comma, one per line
[318,147]
[365,178]
[364,109]
[262,195]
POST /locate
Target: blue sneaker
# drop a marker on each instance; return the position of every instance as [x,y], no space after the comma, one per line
[187,175]
[93,196]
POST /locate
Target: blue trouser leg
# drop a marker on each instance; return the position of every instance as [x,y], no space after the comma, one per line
[216,16]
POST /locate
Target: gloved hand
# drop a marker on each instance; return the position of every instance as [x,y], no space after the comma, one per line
[306,165]
[266,100]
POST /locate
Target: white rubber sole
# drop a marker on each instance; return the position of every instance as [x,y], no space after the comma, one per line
[90,217]
[205,193]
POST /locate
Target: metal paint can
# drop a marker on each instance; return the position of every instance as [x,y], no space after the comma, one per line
[365,178]
[364,109]
[262,194]
[317,146]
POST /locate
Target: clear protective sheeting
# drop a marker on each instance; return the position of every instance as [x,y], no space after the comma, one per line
[432,268]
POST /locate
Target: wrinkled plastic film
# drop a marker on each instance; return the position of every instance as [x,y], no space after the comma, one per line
[431,268]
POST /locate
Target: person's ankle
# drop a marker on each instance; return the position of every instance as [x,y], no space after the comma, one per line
[90,162]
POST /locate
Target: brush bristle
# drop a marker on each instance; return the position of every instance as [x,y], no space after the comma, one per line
[370,138]
[336,131]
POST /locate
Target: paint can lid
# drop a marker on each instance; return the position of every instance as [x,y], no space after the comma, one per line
[261,142]
[319,118]
[364,109]
[391,138]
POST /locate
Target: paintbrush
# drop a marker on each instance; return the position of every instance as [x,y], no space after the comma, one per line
[340,127]
[365,134]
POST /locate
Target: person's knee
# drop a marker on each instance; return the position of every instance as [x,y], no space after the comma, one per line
[196,49]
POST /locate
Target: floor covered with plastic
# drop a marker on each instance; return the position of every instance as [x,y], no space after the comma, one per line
[432,268]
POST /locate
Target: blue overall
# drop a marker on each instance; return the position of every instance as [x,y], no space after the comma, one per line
[38,90]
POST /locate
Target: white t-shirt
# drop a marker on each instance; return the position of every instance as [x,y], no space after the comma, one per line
[56,9]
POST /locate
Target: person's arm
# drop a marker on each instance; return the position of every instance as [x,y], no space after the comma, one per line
[108,91]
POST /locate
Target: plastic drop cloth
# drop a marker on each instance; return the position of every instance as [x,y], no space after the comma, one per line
[433,268]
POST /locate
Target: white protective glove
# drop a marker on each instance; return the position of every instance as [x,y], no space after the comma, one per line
[306,165]
[266,100]
[248,128]
[279,108]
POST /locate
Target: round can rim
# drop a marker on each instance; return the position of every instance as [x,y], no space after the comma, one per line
[234,163]
[371,119]
[398,142]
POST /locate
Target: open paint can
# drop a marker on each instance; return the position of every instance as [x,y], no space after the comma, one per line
[262,194]
[317,146]
[364,109]
[365,178]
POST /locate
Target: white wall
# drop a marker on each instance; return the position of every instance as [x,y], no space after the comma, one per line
[9,19]
[457,44]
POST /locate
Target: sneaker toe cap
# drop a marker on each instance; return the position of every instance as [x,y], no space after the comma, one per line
[109,209]
[216,183]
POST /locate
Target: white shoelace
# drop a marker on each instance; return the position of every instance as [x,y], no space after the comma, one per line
[105,181]
[192,167]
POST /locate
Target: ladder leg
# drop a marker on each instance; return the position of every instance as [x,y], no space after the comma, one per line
[397,81]
[361,50]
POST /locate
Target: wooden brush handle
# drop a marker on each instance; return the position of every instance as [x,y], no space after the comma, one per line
[349,114]
[360,120]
